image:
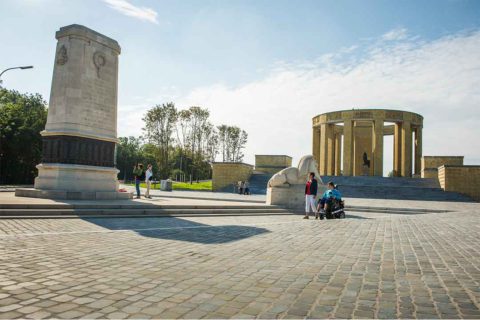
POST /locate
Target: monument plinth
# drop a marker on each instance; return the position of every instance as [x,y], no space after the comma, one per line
[78,160]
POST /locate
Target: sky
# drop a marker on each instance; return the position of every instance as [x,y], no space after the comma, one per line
[270,66]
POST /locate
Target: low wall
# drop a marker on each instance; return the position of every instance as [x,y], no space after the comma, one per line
[225,174]
[462,179]
[270,163]
[430,164]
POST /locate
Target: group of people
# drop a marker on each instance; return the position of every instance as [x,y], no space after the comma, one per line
[243,187]
[324,203]
[143,175]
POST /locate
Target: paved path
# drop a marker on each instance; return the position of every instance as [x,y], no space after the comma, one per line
[369,265]
[225,196]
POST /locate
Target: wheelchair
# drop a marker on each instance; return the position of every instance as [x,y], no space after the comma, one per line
[335,209]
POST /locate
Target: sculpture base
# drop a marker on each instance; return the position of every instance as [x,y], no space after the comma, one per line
[71,195]
[290,196]
[70,181]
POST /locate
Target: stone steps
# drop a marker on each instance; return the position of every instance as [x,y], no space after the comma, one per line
[84,210]
[258,183]
[394,188]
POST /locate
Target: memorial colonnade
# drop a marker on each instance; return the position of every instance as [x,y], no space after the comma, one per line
[354,139]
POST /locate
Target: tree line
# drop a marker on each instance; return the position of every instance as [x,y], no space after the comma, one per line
[180,144]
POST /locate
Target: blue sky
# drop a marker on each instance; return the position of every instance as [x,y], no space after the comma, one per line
[281,60]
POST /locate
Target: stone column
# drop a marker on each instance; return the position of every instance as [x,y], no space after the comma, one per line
[348,147]
[377,135]
[406,149]
[331,149]
[316,144]
[323,162]
[418,150]
[327,145]
[338,153]
[78,160]
[397,150]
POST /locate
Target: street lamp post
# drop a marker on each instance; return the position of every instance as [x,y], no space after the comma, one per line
[21,67]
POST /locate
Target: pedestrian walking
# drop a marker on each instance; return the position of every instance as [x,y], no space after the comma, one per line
[310,194]
[148,180]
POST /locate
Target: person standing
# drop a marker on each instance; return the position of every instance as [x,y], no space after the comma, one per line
[240,187]
[310,194]
[148,180]
[139,176]
[246,189]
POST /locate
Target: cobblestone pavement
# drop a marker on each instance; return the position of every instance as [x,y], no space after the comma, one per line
[368,265]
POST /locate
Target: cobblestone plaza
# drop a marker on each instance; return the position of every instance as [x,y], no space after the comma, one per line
[277,266]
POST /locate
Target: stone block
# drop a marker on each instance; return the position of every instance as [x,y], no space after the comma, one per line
[462,179]
[272,163]
[166,185]
[226,174]
[290,196]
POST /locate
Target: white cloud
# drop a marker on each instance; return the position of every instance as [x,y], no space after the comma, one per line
[130,10]
[395,34]
[437,79]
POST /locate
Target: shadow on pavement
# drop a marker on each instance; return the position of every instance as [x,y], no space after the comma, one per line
[173,228]
[352,216]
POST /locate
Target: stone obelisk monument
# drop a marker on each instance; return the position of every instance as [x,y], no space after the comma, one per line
[78,160]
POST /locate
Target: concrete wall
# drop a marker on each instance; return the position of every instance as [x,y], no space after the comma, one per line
[272,163]
[227,173]
[430,164]
[462,179]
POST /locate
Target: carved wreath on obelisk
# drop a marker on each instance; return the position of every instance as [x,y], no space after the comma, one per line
[62,56]
[99,60]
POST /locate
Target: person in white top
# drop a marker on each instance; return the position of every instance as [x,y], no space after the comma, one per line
[148,180]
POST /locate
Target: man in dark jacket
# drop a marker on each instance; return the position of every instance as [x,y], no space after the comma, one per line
[310,194]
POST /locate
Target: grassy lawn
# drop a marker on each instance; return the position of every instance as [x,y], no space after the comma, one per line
[201,186]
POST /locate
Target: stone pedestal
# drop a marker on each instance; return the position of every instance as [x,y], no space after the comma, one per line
[365,170]
[78,157]
[290,196]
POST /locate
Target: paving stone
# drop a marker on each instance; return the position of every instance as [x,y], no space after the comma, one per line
[424,263]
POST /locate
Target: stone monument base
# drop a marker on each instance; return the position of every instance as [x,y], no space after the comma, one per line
[74,182]
[290,196]
[71,195]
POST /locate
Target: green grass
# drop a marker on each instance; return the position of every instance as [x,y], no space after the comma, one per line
[201,186]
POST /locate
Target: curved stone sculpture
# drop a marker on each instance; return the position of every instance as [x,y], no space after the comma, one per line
[296,175]
[286,187]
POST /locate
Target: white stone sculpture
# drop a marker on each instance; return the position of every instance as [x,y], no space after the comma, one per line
[294,175]
[287,187]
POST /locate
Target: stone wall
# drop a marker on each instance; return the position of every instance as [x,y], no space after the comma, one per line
[272,163]
[462,179]
[225,174]
[430,164]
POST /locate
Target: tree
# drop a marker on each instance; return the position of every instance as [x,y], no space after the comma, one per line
[127,155]
[22,117]
[159,124]
[198,121]
[232,141]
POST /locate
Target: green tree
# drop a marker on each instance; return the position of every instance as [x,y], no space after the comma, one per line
[232,140]
[128,154]
[159,126]
[22,117]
